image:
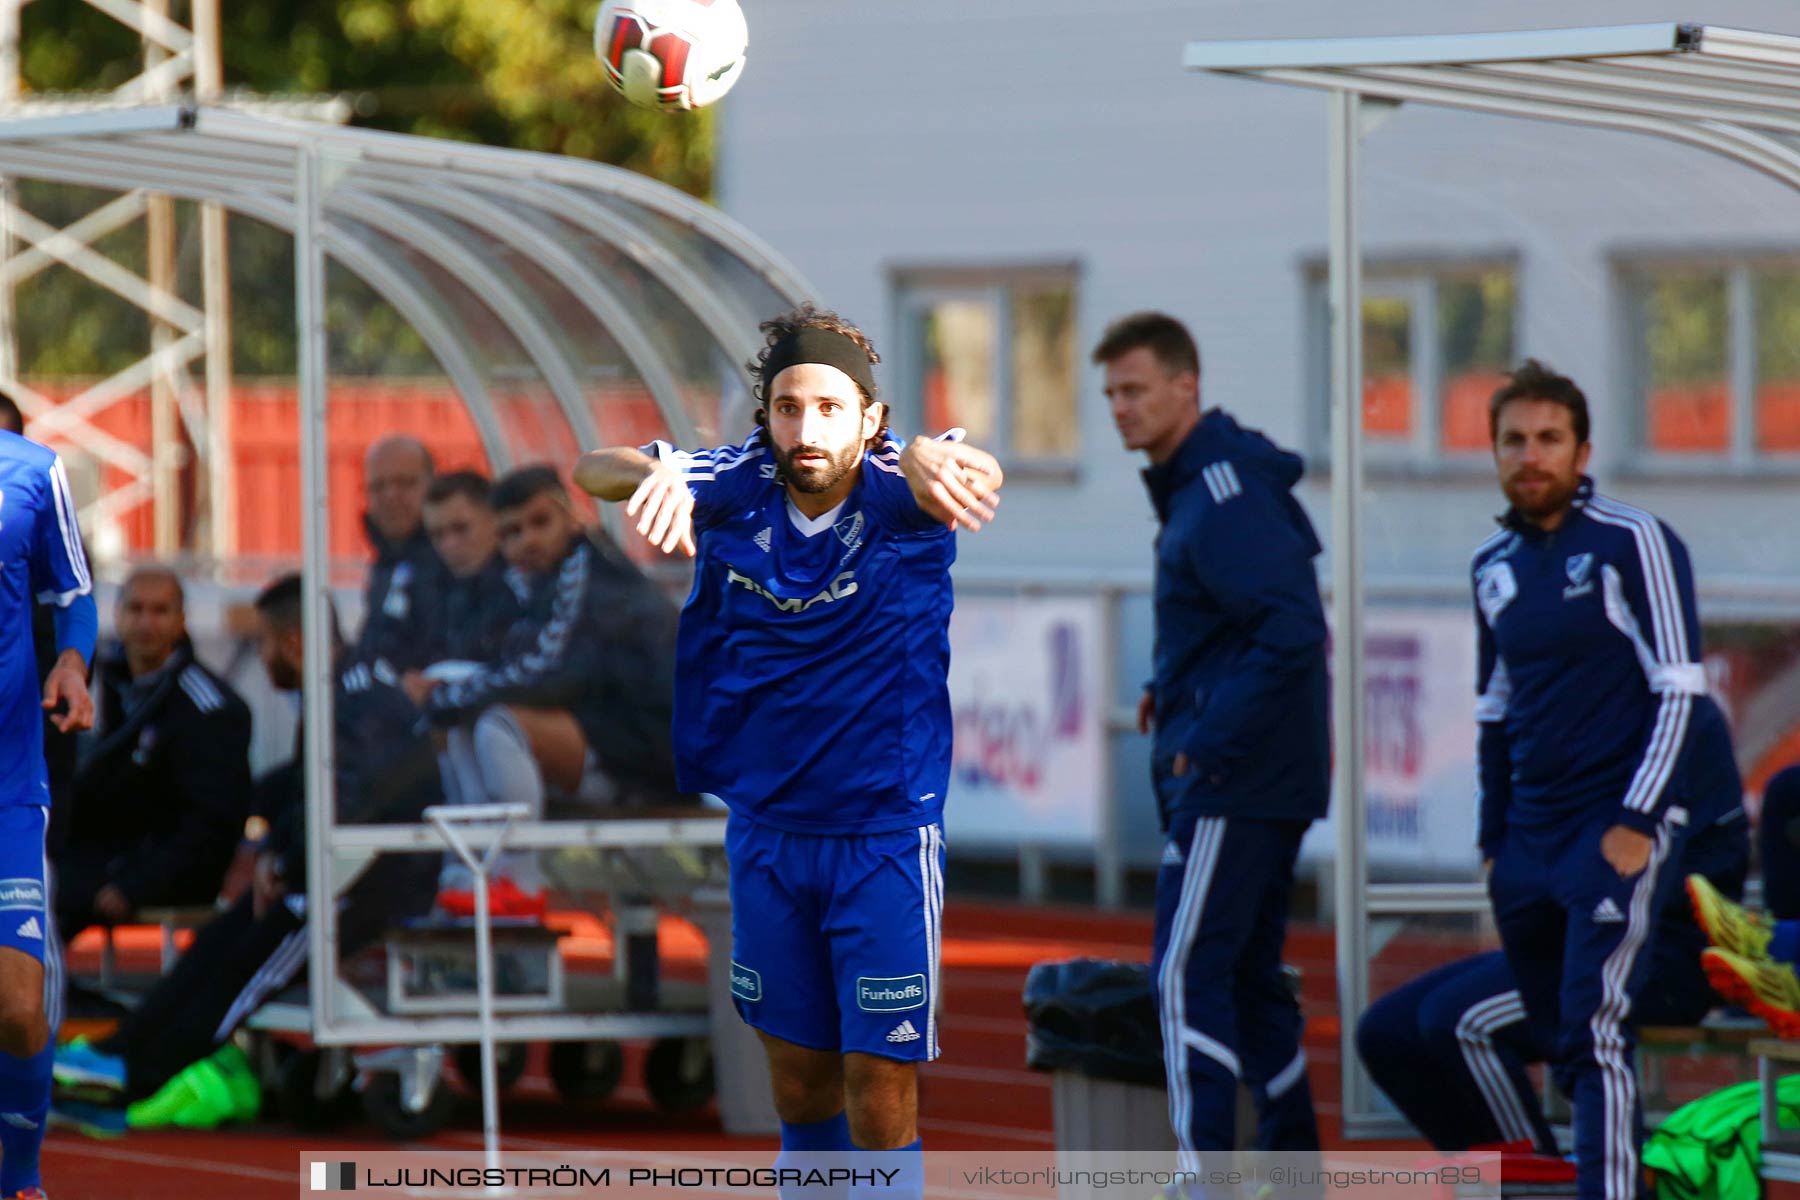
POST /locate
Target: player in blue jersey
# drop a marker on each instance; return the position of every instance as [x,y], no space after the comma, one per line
[811,696]
[40,559]
[1593,718]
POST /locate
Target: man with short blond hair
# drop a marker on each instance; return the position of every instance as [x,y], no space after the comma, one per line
[1241,759]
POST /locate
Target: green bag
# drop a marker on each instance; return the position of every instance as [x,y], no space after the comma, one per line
[1711,1149]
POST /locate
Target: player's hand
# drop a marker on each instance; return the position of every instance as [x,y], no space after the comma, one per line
[665,510]
[418,689]
[266,885]
[957,484]
[1179,767]
[1146,714]
[112,906]
[1626,850]
[67,684]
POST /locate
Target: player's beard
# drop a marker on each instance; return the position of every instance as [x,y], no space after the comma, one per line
[818,478]
[1540,505]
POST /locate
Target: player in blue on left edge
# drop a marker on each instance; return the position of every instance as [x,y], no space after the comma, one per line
[40,559]
[811,696]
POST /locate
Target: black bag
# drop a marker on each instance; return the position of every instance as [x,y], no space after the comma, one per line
[1096,1017]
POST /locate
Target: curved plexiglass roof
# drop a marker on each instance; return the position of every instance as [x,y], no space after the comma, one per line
[556,295]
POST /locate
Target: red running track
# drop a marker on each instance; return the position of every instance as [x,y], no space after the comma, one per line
[979,1096]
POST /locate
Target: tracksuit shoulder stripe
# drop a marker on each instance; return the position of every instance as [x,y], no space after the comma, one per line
[200,690]
[1659,574]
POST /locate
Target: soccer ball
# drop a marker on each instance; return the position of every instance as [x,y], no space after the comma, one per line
[671,54]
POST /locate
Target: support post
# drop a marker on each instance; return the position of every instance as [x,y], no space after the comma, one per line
[1344,286]
[316,624]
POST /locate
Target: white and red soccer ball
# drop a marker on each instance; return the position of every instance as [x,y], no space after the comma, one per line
[671,54]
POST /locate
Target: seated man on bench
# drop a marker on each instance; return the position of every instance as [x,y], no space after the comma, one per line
[386,772]
[1450,1048]
[159,803]
[580,699]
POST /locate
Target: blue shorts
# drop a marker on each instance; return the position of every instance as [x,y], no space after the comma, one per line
[835,938]
[24,896]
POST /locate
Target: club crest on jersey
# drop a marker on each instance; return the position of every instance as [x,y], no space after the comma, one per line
[850,530]
[1580,569]
[841,587]
[1495,588]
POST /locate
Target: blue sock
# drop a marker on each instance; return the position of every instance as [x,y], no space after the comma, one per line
[1785,945]
[815,1146]
[833,1133]
[24,1106]
[901,1173]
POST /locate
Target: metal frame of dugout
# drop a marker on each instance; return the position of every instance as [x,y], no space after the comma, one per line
[512,267]
[1732,92]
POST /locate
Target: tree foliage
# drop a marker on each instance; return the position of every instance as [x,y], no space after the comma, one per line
[517,73]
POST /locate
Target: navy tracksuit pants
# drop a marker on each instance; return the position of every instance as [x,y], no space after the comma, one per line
[1450,1050]
[1222,898]
[1578,937]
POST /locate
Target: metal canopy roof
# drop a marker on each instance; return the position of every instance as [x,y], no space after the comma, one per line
[552,292]
[542,285]
[1730,91]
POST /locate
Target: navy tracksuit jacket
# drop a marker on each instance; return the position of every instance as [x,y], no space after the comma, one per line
[1593,713]
[1241,690]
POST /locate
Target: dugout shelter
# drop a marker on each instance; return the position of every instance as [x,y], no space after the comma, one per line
[1732,92]
[567,304]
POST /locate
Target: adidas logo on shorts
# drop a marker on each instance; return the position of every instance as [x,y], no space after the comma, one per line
[30,929]
[903,1032]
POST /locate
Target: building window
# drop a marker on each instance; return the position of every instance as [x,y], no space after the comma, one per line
[994,351]
[1437,341]
[1716,356]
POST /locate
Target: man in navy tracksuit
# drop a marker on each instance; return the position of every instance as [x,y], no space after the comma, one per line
[1593,702]
[1241,761]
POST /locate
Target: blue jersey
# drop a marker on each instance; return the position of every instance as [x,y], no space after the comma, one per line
[811,664]
[1593,696]
[40,560]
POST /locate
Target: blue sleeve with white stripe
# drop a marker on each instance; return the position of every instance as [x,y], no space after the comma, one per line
[1656,584]
[721,480]
[59,570]
[890,497]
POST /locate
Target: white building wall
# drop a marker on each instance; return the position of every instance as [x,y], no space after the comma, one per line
[867,136]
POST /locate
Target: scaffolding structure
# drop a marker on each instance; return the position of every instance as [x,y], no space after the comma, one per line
[177,60]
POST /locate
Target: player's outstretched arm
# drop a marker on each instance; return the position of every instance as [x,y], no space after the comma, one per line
[952,482]
[655,493]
